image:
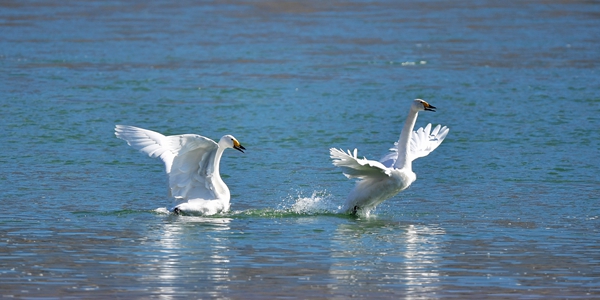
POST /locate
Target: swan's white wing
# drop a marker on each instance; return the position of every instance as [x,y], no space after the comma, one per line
[188,159]
[149,142]
[354,167]
[390,159]
[192,171]
[422,142]
[425,140]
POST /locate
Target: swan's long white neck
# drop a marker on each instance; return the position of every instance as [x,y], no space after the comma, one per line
[403,161]
[217,162]
[220,186]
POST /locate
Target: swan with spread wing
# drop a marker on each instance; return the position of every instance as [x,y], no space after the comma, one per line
[381,180]
[192,166]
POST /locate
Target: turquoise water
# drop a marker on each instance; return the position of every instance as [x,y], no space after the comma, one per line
[506,207]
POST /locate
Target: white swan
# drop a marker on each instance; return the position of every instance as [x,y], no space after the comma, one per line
[381,180]
[192,165]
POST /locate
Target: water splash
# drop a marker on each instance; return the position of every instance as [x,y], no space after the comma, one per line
[320,202]
[162,211]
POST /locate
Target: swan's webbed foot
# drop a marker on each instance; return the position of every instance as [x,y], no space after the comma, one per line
[177,211]
[355,210]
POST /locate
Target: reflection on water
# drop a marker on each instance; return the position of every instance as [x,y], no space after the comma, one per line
[422,253]
[387,258]
[178,266]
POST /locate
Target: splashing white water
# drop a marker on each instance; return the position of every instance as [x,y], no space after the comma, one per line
[162,210]
[318,202]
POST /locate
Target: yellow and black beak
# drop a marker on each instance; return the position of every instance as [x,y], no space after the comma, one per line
[428,107]
[237,146]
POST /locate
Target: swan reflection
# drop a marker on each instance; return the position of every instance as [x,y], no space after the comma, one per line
[405,263]
[193,251]
[421,268]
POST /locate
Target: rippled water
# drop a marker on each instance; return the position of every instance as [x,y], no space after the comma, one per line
[506,207]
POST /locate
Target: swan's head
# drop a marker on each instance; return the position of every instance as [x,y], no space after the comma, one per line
[228,141]
[420,105]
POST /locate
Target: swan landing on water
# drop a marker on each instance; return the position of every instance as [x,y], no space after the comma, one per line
[381,180]
[192,165]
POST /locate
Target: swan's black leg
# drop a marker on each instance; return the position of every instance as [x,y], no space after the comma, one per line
[177,211]
[355,210]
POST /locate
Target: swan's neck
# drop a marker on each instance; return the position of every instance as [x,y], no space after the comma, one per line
[217,162]
[221,189]
[403,161]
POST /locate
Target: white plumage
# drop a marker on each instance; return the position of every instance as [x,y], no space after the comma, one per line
[192,166]
[381,180]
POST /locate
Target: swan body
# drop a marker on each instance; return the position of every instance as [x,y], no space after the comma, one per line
[192,166]
[381,180]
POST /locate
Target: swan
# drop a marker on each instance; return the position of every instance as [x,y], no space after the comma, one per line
[192,166]
[381,180]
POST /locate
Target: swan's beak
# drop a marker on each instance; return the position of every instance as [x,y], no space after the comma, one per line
[237,146]
[428,107]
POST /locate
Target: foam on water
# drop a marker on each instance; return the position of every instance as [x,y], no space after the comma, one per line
[294,205]
[317,203]
[162,211]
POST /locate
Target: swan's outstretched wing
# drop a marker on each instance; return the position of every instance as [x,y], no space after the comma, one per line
[188,159]
[149,142]
[422,142]
[354,167]
[425,140]
[192,171]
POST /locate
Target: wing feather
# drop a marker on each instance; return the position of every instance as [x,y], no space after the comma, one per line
[422,142]
[192,171]
[149,142]
[354,167]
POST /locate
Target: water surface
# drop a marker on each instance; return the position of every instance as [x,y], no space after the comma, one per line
[506,207]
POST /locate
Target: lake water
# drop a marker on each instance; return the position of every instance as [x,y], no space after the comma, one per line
[507,206]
